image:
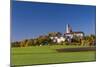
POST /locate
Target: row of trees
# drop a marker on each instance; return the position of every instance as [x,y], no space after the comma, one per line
[89,40]
[45,40]
[41,40]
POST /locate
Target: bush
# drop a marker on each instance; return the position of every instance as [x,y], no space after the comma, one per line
[75,44]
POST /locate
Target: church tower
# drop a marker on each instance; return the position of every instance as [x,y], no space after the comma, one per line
[68,28]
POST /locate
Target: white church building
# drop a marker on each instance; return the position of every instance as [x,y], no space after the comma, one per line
[69,34]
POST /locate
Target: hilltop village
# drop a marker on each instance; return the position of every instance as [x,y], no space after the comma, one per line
[70,37]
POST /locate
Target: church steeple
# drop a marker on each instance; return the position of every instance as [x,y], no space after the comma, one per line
[68,28]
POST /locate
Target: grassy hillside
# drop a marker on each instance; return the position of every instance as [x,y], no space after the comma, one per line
[48,54]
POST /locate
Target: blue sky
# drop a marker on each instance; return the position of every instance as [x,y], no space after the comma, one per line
[31,19]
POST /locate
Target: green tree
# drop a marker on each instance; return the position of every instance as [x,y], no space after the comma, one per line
[15,44]
[89,40]
[43,39]
[76,39]
[23,43]
[53,34]
[30,42]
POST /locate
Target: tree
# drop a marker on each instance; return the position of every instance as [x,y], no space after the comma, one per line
[15,44]
[23,43]
[29,42]
[43,39]
[35,41]
[53,34]
[90,40]
[76,39]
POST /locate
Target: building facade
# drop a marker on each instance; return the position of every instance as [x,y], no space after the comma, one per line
[68,35]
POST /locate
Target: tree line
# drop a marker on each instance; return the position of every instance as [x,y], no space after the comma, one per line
[45,40]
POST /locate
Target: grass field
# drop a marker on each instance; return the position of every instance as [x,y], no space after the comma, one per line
[47,55]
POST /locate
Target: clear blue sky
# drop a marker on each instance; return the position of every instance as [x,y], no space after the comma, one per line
[31,19]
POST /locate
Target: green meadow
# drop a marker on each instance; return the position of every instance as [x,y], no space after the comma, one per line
[48,55]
